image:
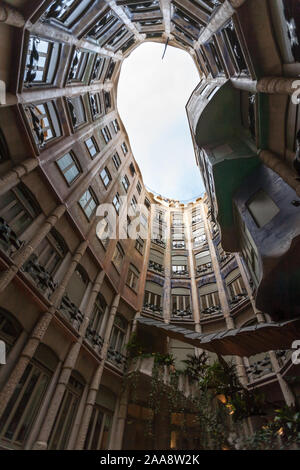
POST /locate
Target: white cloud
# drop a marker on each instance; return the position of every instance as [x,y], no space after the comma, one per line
[152,95]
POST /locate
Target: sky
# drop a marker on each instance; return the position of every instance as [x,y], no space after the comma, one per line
[152,95]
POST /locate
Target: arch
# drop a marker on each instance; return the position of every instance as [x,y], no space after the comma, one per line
[10,328]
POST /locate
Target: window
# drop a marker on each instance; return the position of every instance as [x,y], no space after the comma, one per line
[262,208]
[117,202]
[67,11]
[97,68]
[179,265]
[99,429]
[97,315]
[44,122]
[21,411]
[118,334]
[209,299]
[236,286]
[153,297]
[41,61]
[67,411]
[88,203]
[106,177]
[77,285]
[133,277]
[77,111]
[132,169]
[139,245]
[18,209]
[104,23]
[116,160]
[125,183]
[124,148]
[92,146]
[78,66]
[95,104]
[118,257]
[69,167]
[178,244]
[48,255]
[147,203]
[139,187]
[181,302]
[10,329]
[106,134]
[116,126]
[134,203]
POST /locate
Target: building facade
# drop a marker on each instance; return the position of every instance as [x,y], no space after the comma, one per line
[71,298]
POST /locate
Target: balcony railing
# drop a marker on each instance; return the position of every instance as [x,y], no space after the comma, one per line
[259,368]
[154,308]
[159,242]
[116,358]
[71,312]
[204,268]
[8,238]
[180,273]
[156,267]
[214,309]
[44,281]
[93,337]
[238,298]
[182,314]
[178,245]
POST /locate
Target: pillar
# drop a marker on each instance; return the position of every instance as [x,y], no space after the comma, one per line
[13,177]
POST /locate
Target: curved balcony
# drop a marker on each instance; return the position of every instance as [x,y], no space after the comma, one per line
[259,368]
[238,299]
[43,280]
[116,358]
[182,314]
[8,238]
[153,308]
[213,310]
[71,312]
[93,337]
[156,267]
[204,268]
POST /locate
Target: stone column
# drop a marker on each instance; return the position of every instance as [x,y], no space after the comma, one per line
[10,16]
[13,177]
[24,253]
[38,332]
[95,383]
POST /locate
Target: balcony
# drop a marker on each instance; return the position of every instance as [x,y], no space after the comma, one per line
[181,273]
[182,314]
[178,245]
[43,280]
[117,359]
[71,312]
[94,339]
[8,238]
[213,310]
[237,299]
[156,267]
[153,308]
[204,268]
[259,368]
[159,242]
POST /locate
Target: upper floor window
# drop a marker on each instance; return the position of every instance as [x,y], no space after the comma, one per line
[77,111]
[97,68]
[124,148]
[104,23]
[78,66]
[95,104]
[181,302]
[118,334]
[125,183]
[134,203]
[118,257]
[139,245]
[133,277]
[44,122]
[88,203]
[116,160]
[209,299]
[48,255]
[106,177]
[106,134]
[117,202]
[116,125]
[67,11]
[69,167]
[97,315]
[92,146]
[18,209]
[41,61]
[139,187]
